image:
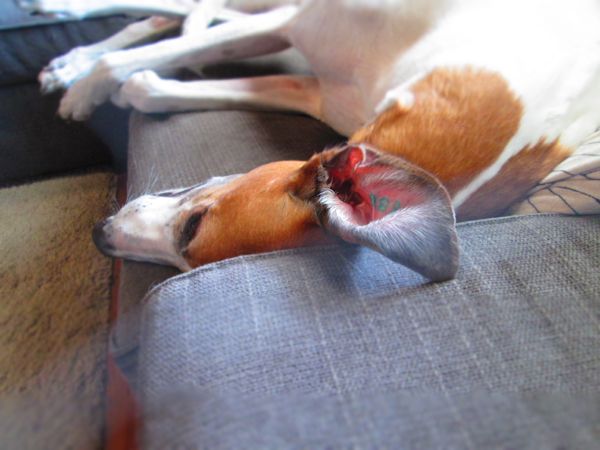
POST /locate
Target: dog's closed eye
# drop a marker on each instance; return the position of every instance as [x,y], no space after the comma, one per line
[189,229]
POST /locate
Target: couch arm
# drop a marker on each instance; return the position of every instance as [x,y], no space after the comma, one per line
[338,347]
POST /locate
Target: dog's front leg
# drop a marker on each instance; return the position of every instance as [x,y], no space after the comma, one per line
[249,36]
[65,70]
[146,92]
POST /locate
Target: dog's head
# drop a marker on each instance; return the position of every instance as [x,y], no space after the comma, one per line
[354,192]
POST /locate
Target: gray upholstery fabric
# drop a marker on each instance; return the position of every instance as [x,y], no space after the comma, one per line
[183,149]
[192,147]
[338,347]
[363,419]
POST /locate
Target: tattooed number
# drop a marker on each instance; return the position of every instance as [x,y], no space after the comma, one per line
[384,205]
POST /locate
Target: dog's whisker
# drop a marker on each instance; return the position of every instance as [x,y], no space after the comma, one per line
[153,178]
[114,206]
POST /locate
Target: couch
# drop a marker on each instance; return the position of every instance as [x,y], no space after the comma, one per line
[338,347]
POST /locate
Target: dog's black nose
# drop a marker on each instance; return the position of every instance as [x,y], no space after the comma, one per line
[100,238]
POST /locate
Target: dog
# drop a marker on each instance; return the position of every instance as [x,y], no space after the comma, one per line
[453,108]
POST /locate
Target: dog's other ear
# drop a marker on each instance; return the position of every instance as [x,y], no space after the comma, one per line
[385,203]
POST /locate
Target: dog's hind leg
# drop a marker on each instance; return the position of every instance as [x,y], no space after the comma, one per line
[80,9]
[89,8]
[249,36]
[146,92]
[65,70]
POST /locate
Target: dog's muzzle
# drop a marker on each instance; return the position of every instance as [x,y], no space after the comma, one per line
[100,238]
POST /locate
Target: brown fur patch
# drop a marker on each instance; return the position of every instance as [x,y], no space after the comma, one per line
[257,213]
[521,173]
[460,123]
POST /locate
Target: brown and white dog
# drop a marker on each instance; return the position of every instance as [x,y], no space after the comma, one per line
[450,105]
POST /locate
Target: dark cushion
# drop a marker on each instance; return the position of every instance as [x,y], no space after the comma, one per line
[34,141]
[338,347]
[28,43]
[12,16]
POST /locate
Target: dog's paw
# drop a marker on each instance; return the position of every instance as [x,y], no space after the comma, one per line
[86,94]
[58,8]
[144,91]
[80,100]
[64,71]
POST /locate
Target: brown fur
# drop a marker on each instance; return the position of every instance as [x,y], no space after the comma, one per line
[233,227]
[461,122]
[459,125]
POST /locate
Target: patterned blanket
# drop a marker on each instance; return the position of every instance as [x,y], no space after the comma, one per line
[573,187]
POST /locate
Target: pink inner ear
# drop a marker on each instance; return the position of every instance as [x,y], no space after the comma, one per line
[355,180]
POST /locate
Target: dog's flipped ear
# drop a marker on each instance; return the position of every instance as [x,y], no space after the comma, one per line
[385,203]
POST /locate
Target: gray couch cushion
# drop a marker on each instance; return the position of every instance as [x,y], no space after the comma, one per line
[182,149]
[390,419]
[339,347]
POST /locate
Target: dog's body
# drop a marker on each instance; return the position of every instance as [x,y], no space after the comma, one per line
[485,95]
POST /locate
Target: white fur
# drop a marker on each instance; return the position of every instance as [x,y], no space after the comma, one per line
[144,228]
[365,54]
[201,17]
[65,70]
[149,93]
[247,36]
[81,9]
[548,52]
